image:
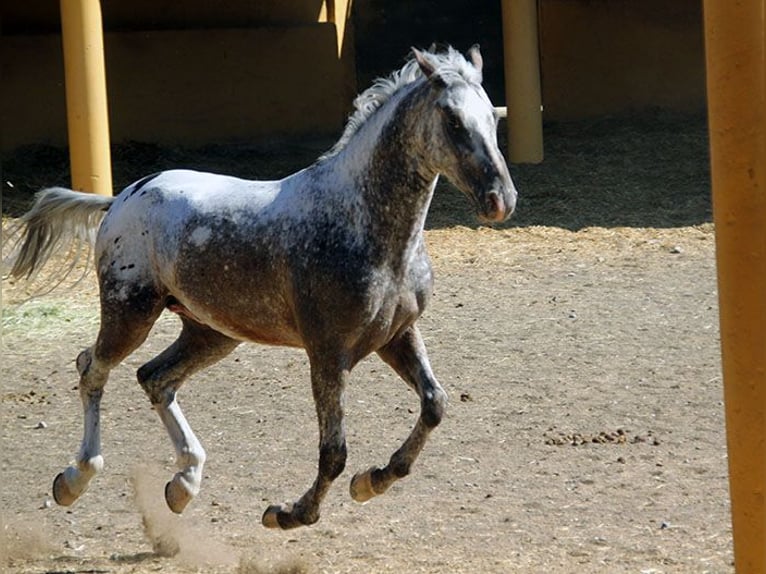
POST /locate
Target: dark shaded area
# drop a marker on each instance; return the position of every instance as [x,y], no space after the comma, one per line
[385,31]
[646,170]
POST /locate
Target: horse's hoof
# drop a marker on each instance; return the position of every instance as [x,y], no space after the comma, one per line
[361,486]
[61,493]
[271,517]
[285,517]
[177,496]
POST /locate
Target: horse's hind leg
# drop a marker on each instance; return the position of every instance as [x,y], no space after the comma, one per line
[123,328]
[407,355]
[197,347]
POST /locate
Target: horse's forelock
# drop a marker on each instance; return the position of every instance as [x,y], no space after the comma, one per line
[452,64]
[449,65]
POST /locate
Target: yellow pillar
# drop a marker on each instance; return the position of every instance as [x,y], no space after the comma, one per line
[87,116]
[522,81]
[337,12]
[734,41]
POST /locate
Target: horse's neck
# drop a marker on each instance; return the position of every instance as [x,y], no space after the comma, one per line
[381,165]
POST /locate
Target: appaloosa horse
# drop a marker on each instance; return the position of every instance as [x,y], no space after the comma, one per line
[330,259]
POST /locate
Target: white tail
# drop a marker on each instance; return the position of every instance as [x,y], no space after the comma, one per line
[58,217]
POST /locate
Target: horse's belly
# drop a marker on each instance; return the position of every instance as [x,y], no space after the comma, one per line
[255,324]
[259,334]
[247,310]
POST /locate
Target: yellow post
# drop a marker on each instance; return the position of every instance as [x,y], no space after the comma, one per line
[522,81]
[87,116]
[734,39]
[337,12]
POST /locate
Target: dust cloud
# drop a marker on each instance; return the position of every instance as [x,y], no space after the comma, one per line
[21,541]
[192,544]
[171,535]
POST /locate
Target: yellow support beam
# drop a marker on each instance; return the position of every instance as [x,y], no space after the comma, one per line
[735,52]
[337,12]
[87,115]
[522,81]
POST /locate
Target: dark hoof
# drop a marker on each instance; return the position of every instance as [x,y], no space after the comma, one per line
[285,517]
[61,493]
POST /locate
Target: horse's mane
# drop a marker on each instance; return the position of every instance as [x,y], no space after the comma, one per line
[368,102]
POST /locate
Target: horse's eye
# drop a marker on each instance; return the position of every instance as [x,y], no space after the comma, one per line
[453,121]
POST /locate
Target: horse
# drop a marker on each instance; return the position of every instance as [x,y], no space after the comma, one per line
[330,259]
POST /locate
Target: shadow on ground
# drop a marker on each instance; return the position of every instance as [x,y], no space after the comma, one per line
[644,170]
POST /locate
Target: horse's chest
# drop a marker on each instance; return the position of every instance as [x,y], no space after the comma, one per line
[390,303]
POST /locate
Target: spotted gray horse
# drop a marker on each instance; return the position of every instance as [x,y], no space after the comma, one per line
[330,259]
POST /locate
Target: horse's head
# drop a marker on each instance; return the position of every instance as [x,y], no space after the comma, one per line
[462,134]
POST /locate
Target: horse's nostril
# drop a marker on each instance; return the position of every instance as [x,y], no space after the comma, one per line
[496,206]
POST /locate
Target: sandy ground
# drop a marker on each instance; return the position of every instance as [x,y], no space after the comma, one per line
[585,431]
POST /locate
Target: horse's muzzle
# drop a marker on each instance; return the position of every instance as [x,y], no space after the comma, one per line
[499,204]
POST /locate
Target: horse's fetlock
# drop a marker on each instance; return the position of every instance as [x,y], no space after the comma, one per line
[400,468]
[188,458]
[310,519]
[305,515]
[90,466]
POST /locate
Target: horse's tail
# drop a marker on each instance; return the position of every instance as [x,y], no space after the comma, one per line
[58,217]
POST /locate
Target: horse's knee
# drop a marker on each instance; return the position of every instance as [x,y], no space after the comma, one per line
[434,405]
[332,460]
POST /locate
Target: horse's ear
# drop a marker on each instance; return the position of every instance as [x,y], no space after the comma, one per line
[425,65]
[474,56]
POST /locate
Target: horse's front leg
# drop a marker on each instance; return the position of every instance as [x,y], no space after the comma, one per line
[328,384]
[407,356]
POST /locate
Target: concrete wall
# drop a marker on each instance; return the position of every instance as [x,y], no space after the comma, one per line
[234,71]
[611,56]
[386,30]
[197,72]
[41,16]
[597,56]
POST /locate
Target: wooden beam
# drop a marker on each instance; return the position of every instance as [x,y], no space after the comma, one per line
[87,115]
[522,81]
[735,51]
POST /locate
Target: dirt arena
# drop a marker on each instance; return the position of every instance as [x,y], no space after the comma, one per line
[578,343]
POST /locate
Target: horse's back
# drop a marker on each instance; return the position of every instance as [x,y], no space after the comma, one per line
[208,240]
[192,191]
[161,208]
